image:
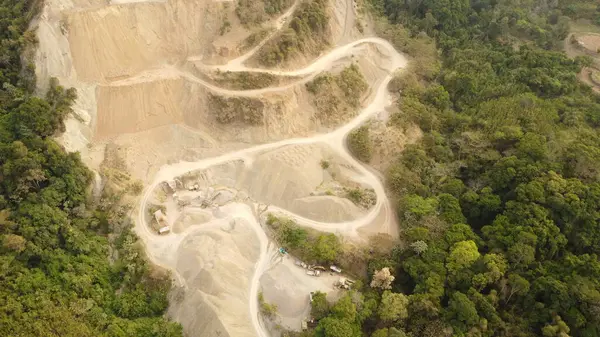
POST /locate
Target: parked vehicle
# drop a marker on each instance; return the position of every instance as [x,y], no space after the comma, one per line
[335,269]
[316,273]
[301,264]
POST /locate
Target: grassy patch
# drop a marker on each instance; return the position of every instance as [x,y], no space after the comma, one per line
[236,109]
[337,95]
[306,33]
[361,197]
[309,245]
[359,144]
[245,80]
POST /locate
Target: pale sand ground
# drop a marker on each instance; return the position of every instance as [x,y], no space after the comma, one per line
[107,49]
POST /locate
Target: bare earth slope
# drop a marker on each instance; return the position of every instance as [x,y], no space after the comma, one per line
[138,68]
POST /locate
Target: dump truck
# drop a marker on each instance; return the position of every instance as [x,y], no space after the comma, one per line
[163,225]
[315,273]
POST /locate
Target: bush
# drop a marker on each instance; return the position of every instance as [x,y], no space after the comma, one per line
[361,197]
[307,30]
[236,109]
[252,12]
[245,80]
[308,245]
[359,144]
[319,306]
[267,309]
[336,95]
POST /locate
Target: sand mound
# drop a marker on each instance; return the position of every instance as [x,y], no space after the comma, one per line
[287,178]
[122,40]
[216,267]
[326,208]
[189,218]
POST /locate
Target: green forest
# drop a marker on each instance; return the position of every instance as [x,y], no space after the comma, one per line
[499,202]
[55,275]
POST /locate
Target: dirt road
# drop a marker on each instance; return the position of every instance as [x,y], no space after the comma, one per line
[335,139]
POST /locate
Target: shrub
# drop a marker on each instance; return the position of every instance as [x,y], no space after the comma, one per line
[359,144]
[236,109]
[308,245]
[337,94]
[307,30]
[267,309]
[245,80]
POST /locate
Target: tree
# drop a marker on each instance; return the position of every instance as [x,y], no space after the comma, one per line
[319,307]
[558,328]
[393,306]
[518,285]
[382,279]
[380,333]
[335,327]
[495,266]
[325,248]
[345,309]
[462,255]
[450,209]
[419,247]
[14,242]
[462,312]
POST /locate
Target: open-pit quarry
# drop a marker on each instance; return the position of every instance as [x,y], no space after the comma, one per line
[144,72]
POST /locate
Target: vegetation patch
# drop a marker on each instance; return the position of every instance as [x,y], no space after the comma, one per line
[365,198]
[307,33]
[504,181]
[306,244]
[253,12]
[337,96]
[359,143]
[245,80]
[268,310]
[253,39]
[229,110]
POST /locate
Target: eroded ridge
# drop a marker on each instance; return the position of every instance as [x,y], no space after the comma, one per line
[380,216]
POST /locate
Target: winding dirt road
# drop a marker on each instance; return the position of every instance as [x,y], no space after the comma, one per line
[159,247]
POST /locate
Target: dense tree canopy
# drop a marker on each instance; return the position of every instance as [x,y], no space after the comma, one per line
[499,201]
[67,266]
